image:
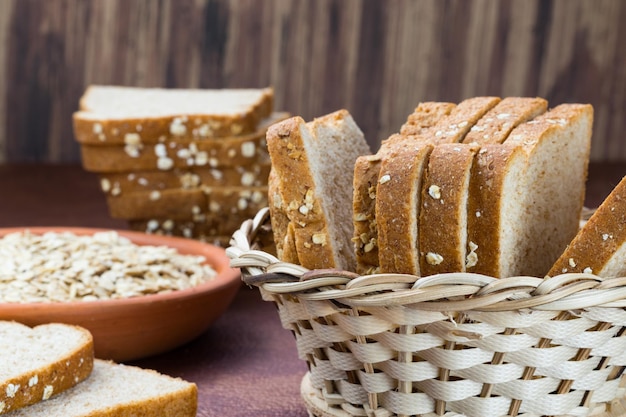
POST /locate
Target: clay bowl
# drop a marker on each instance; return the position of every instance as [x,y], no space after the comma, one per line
[133,328]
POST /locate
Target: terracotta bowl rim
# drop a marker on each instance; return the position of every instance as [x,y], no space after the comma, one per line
[225,275]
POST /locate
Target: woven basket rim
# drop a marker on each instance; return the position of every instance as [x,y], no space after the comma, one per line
[442,292]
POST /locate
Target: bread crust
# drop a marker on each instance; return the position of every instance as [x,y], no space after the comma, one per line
[497,123]
[59,375]
[94,130]
[443,213]
[282,228]
[290,157]
[224,207]
[254,175]
[397,206]
[487,178]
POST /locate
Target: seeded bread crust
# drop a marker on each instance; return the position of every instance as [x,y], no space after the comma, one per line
[526,194]
[366,173]
[497,123]
[207,204]
[115,390]
[254,175]
[297,149]
[171,153]
[282,228]
[443,214]
[39,381]
[599,247]
[95,129]
[397,207]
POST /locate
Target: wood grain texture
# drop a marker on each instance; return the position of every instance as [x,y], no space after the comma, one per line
[377,58]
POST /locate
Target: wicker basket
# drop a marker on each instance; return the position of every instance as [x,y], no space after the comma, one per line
[449,344]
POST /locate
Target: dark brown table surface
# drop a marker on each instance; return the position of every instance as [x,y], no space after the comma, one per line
[246,363]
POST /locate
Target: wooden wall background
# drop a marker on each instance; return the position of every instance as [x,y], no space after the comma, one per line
[377,58]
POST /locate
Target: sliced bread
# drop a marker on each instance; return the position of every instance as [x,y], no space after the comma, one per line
[114,390]
[135,155]
[253,175]
[220,203]
[443,213]
[399,207]
[398,196]
[495,125]
[365,183]
[41,362]
[109,113]
[526,194]
[314,162]
[600,246]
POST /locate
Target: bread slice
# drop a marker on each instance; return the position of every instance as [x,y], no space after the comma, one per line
[398,197]
[314,162]
[253,175]
[114,390]
[365,183]
[526,194]
[443,213]
[175,204]
[495,126]
[178,153]
[41,362]
[222,207]
[600,246]
[109,113]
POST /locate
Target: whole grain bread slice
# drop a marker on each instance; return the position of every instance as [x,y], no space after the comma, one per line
[41,362]
[443,214]
[115,390]
[600,246]
[170,153]
[314,162]
[365,183]
[109,113]
[526,194]
[253,175]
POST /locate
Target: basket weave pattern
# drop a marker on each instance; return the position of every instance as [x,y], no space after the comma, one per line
[449,344]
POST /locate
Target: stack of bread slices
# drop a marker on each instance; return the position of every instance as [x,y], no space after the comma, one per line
[184,162]
[490,185]
[50,370]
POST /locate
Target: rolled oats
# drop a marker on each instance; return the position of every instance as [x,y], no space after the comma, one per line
[58,267]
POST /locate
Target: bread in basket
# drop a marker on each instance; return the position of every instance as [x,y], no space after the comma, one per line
[381,342]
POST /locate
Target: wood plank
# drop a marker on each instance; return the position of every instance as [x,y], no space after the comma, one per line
[376,58]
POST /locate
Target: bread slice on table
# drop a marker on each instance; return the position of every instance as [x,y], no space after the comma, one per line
[253,175]
[314,162]
[600,246]
[41,362]
[495,125]
[114,390]
[170,153]
[108,114]
[365,183]
[526,194]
